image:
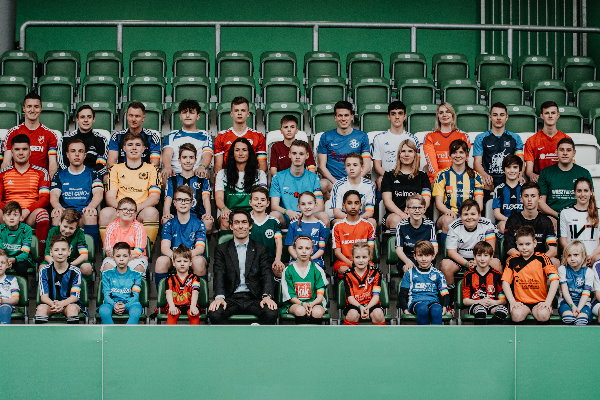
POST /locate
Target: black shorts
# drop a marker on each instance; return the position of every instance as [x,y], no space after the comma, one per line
[349,307]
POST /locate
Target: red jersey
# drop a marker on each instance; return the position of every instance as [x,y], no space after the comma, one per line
[43,143]
[541,150]
[437,150]
[224,140]
[182,291]
[346,233]
[30,189]
[477,287]
[362,288]
[280,158]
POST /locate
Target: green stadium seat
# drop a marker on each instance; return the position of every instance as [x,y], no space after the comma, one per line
[149,89]
[392,258]
[577,69]
[91,245]
[287,317]
[384,298]
[552,90]
[234,63]
[203,123]
[57,89]
[280,89]
[105,88]
[154,115]
[363,64]
[490,68]
[587,96]
[20,312]
[570,121]
[144,301]
[594,115]
[405,66]
[191,87]
[370,90]
[416,91]
[277,63]
[83,299]
[13,89]
[473,118]
[533,69]
[55,116]
[275,111]
[19,63]
[63,63]
[373,117]
[321,118]
[326,90]
[191,63]
[224,120]
[229,87]
[321,63]
[421,117]
[161,301]
[35,249]
[9,115]
[521,119]
[447,66]
[105,114]
[507,91]
[148,63]
[460,91]
[105,63]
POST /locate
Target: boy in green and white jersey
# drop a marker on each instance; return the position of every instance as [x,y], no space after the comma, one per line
[15,239]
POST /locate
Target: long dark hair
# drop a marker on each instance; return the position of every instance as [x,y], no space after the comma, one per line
[250,171]
[592,208]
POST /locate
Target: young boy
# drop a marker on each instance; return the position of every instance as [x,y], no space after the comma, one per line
[350,230]
[15,238]
[126,229]
[422,286]
[525,278]
[69,228]
[362,283]
[200,188]
[280,151]
[266,230]
[507,195]
[121,287]
[183,289]
[59,285]
[353,163]
[9,290]
[185,229]
[482,288]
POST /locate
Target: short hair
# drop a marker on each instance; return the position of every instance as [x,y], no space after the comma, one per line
[188,147]
[32,96]
[137,105]
[239,100]
[236,211]
[183,252]
[397,105]
[512,159]
[483,247]
[70,215]
[350,193]
[301,143]
[457,145]
[289,118]
[468,204]
[12,206]
[342,105]
[530,185]
[85,107]
[302,237]
[416,197]
[121,246]
[189,104]
[525,230]
[548,104]
[58,238]
[360,246]
[566,140]
[353,155]
[132,136]
[126,200]
[20,138]
[185,190]
[260,189]
[499,105]
[74,140]
[3,253]
[425,248]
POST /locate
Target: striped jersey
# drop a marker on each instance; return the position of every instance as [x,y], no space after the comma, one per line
[366,188]
[200,187]
[121,287]
[201,141]
[30,189]
[346,233]
[138,183]
[529,278]
[476,286]
[43,143]
[59,286]
[463,240]
[364,287]
[436,149]
[456,188]
[507,199]
[424,285]
[225,139]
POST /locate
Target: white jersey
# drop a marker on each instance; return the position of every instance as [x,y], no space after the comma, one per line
[366,188]
[463,240]
[574,225]
[385,147]
[201,140]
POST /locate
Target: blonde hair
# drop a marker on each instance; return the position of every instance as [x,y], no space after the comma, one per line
[577,246]
[415,164]
[438,126]
[360,246]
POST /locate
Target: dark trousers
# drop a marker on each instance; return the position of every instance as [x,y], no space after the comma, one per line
[243,303]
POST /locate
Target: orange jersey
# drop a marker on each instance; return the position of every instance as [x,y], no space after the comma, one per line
[30,189]
[346,233]
[436,148]
[362,288]
[225,139]
[541,150]
[182,291]
[528,278]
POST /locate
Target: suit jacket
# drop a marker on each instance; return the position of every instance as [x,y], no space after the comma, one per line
[259,276]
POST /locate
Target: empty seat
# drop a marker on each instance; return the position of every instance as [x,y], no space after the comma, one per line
[224,120]
[9,114]
[472,118]
[63,63]
[105,114]
[447,66]
[154,115]
[55,116]
[101,89]
[149,89]
[421,117]
[280,89]
[19,63]
[203,123]
[229,87]
[407,65]
[416,91]
[148,63]
[490,68]
[533,69]
[321,63]
[373,117]
[275,111]
[13,89]
[521,119]
[460,91]
[277,63]
[570,121]
[363,64]
[587,96]
[588,151]
[574,70]
[321,118]
[326,90]
[594,122]
[552,90]
[56,89]
[507,91]
[191,63]
[105,63]
[234,63]
[191,87]
[370,90]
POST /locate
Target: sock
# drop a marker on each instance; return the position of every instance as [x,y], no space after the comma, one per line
[301,320]
[73,320]
[568,319]
[151,230]
[158,277]
[443,237]
[581,321]
[102,231]
[346,322]
[315,321]
[94,232]
[42,226]
[379,323]
[41,319]
[500,315]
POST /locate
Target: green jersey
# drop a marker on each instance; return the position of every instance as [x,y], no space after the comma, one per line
[304,287]
[557,185]
[237,197]
[76,243]
[17,243]
[266,232]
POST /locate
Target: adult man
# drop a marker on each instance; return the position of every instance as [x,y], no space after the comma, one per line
[243,282]
[493,145]
[336,143]
[240,110]
[540,149]
[136,114]
[189,114]
[96,144]
[43,142]
[28,185]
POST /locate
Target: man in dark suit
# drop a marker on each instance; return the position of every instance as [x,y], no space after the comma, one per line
[243,278]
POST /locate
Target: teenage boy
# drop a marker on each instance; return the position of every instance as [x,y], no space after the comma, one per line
[280,151]
[507,195]
[353,180]
[15,238]
[69,229]
[240,111]
[540,149]
[189,114]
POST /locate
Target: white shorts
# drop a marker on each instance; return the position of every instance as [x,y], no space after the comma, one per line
[140,261]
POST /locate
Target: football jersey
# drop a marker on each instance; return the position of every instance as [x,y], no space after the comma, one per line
[558,185]
[402,186]
[134,236]
[151,141]
[238,197]
[528,278]
[507,199]
[385,147]
[476,286]
[289,187]
[96,148]
[346,233]
[596,271]
[305,287]
[436,149]
[121,287]
[541,150]
[362,288]
[59,286]
[265,233]
[77,244]
[137,183]
[43,143]
[407,236]
[579,282]
[463,240]
[200,187]
[424,285]
[201,141]
[191,234]
[493,149]
[9,288]
[225,139]
[314,230]
[456,188]
[76,189]
[17,243]
[366,188]
[544,231]
[30,189]
[574,225]
[337,146]
[182,290]
[280,158]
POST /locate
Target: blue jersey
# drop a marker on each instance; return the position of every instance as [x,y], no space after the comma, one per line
[121,287]
[424,286]
[59,286]
[337,146]
[579,282]
[314,230]
[151,141]
[407,236]
[76,189]
[493,149]
[507,199]
[200,187]
[191,235]
[289,187]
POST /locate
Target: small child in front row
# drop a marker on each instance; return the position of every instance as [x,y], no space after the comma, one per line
[121,287]
[303,285]
[576,281]
[424,285]
[482,288]
[507,195]
[362,283]
[183,288]
[9,290]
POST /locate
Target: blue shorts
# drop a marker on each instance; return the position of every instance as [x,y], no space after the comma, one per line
[563,306]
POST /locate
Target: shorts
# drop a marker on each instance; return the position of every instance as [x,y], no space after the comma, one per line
[596,308]
[142,260]
[461,268]
[349,307]
[563,306]
[384,220]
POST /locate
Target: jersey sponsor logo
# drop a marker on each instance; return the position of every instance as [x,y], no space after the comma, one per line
[506,144]
[527,283]
[579,281]
[576,233]
[196,185]
[512,206]
[143,175]
[36,148]
[402,193]
[303,290]
[269,233]
[120,290]
[11,246]
[132,189]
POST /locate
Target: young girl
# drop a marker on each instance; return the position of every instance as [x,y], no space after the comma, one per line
[412,230]
[580,221]
[402,182]
[308,225]
[183,288]
[9,290]
[576,281]
[303,286]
